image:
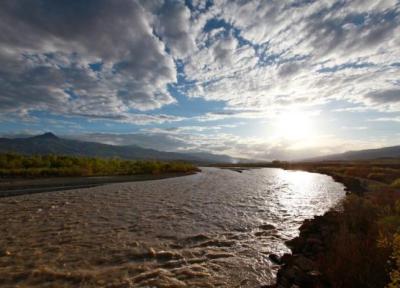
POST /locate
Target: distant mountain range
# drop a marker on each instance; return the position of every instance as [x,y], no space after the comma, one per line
[49,143]
[369,154]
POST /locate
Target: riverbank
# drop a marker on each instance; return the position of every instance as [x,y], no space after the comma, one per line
[352,247]
[24,174]
[21,186]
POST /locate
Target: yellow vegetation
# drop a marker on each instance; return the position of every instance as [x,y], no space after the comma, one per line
[14,165]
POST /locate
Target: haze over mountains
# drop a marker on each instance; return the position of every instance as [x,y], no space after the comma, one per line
[385,152]
[48,143]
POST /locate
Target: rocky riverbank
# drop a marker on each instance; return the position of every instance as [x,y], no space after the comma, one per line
[302,267]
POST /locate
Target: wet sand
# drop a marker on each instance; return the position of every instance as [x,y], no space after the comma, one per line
[213,229]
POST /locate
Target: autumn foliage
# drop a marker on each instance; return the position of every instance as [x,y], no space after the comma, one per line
[15,165]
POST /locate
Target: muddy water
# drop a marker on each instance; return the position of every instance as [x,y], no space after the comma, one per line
[212,229]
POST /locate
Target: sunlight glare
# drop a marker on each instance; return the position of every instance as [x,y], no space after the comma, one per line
[294,125]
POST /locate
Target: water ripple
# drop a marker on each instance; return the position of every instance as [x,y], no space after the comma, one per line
[213,229]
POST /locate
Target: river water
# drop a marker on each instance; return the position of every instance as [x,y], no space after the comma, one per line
[212,229]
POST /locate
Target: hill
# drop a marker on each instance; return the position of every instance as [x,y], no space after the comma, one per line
[48,143]
[369,154]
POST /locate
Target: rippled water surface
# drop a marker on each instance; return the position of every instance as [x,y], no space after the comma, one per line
[203,230]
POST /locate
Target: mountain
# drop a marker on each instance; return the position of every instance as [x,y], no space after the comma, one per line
[48,143]
[369,154]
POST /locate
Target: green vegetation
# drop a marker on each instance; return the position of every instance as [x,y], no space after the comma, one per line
[15,165]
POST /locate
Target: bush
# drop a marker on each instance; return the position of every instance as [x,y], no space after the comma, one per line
[396,183]
[395,272]
[357,255]
[14,165]
[377,176]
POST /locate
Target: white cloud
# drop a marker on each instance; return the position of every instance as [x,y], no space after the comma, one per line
[174,28]
[386,119]
[289,45]
[53,47]
[115,61]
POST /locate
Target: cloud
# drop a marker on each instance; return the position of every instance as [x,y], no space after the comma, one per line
[289,69]
[189,140]
[271,42]
[385,96]
[125,61]
[386,119]
[174,28]
[355,127]
[48,48]
[111,57]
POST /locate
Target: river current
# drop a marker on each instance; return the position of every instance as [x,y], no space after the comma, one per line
[212,229]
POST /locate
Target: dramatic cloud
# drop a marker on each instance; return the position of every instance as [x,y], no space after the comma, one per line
[174,28]
[139,62]
[87,56]
[284,52]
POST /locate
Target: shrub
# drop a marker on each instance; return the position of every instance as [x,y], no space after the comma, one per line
[14,165]
[396,183]
[377,176]
[353,256]
[395,272]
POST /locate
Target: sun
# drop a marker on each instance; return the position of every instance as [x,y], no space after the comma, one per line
[294,125]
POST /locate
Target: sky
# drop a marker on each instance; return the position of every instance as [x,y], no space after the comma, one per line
[251,79]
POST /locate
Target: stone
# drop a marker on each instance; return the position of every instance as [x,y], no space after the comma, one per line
[303,263]
[275,259]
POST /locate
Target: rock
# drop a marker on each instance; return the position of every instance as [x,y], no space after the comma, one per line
[286,258]
[303,263]
[288,275]
[299,269]
[312,246]
[296,244]
[275,259]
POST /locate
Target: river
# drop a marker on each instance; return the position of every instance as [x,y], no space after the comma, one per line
[212,229]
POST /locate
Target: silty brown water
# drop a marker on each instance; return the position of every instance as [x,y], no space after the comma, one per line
[212,229]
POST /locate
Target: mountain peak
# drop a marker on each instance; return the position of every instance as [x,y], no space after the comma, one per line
[47,135]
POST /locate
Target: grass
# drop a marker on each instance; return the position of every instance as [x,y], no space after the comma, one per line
[359,253]
[15,165]
[365,250]
[396,183]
